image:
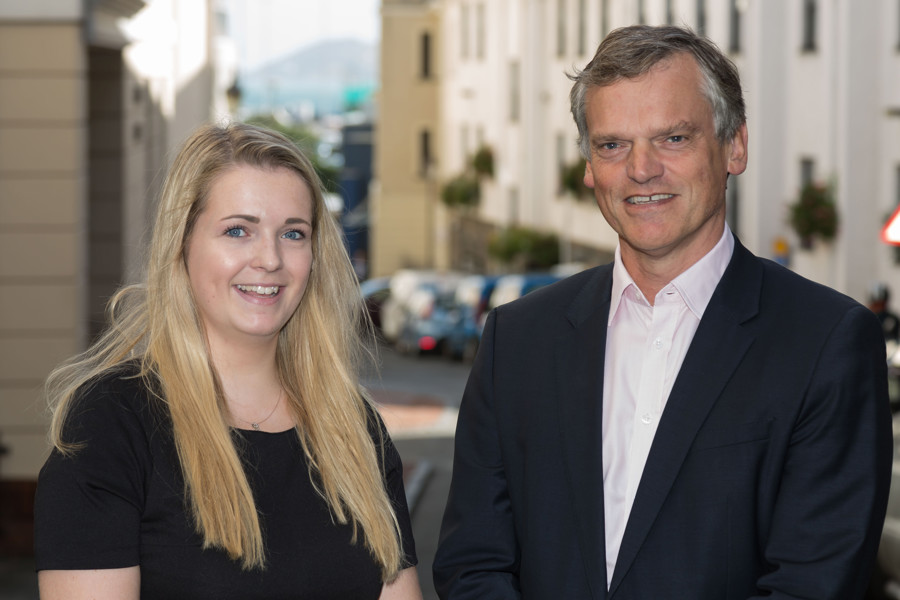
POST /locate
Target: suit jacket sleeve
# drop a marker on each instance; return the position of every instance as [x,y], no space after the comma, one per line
[829,509]
[477,556]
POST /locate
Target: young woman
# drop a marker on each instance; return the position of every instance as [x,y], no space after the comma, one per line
[215,442]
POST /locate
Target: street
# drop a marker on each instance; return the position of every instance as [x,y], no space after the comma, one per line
[419,398]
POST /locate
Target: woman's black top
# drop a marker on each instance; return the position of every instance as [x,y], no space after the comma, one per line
[120,502]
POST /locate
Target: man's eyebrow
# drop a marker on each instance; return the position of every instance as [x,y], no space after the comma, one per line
[680,127]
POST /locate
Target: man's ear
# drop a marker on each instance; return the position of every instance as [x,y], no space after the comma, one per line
[737,159]
[588,174]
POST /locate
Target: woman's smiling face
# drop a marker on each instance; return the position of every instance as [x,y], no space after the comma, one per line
[249,254]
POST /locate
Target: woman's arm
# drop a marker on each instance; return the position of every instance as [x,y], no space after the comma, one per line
[405,587]
[97,584]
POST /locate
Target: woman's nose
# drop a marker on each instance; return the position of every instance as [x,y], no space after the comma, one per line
[267,255]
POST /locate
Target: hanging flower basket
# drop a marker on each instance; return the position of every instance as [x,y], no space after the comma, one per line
[483,162]
[462,190]
[814,215]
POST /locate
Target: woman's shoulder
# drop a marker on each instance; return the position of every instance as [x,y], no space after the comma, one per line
[120,397]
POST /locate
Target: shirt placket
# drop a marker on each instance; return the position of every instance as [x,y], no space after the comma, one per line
[652,389]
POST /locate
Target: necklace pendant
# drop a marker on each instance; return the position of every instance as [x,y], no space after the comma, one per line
[255,426]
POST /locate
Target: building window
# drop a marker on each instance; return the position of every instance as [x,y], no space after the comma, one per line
[701,17]
[560,161]
[513,209]
[734,27]
[480,31]
[897,185]
[582,27]
[807,172]
[898,25]
[670,17]
[514,91]
[426,56]
[809,26]
[604,18]
[464,31]
[425,157]
[642,13]
[464,143]
[560,28]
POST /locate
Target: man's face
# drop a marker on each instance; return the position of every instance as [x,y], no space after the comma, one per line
[657,169]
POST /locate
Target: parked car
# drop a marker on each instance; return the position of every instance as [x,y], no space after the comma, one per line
[512,287]
[472,296]
[431,313]
[404,282]
[375,293]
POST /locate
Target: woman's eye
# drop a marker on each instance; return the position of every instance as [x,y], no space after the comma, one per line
[294,235]
[235,232]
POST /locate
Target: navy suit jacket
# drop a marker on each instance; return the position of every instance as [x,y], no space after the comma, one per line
[768,476]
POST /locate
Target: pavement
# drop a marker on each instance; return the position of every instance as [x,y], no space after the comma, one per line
[422,427]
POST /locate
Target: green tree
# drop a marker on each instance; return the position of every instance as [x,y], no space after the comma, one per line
[308,142]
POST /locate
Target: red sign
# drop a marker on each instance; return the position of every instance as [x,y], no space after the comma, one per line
[890,234]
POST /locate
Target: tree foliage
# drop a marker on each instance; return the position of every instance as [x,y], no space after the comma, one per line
[308,143]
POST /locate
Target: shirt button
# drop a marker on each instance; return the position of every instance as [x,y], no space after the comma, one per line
[658,343]
[646,418]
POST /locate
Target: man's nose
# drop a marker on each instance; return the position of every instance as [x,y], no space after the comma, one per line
[643,162]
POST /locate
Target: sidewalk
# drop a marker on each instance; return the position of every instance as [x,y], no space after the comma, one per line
[409,415]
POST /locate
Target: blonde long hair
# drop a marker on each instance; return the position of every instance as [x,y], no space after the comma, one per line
[319,354]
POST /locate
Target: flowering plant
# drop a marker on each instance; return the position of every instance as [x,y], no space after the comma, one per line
[814,214]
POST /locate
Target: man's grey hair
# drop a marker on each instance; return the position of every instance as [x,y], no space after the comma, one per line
[630,52]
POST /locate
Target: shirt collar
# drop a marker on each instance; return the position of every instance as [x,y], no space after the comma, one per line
[696,285]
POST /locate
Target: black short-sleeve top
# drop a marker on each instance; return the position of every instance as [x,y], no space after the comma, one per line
[119,502]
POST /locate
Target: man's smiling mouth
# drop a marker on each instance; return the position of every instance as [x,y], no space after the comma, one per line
[648,199]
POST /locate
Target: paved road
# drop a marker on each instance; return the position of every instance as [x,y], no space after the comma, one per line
[419,398]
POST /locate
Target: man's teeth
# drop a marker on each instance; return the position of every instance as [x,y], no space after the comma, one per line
[648,199]
[259,289]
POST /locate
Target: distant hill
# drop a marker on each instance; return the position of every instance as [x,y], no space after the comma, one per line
[327,75]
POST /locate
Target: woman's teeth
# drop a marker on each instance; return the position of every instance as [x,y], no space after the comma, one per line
[648,199]
[259,289]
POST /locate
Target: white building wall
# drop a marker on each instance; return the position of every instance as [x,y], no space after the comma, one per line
[838,105]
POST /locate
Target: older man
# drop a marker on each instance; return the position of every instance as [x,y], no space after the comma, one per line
[690,421]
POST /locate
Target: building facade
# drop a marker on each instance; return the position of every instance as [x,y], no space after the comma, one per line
[822,85]
[92,97]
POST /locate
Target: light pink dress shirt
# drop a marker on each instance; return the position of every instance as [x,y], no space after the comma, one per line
[645,346]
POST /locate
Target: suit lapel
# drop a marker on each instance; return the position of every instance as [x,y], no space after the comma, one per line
[715,352]
[579,353]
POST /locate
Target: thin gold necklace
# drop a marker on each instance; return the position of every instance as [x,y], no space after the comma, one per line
[255,425]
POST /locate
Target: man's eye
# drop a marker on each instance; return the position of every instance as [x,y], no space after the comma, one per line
[609,146]
[676,138]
